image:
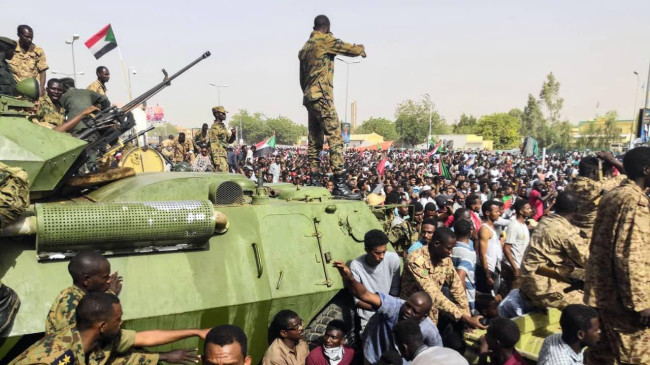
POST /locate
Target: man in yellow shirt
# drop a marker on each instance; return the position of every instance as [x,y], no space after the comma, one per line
[99,85]
[29,59]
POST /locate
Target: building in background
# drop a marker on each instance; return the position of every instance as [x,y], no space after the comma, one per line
[462,142]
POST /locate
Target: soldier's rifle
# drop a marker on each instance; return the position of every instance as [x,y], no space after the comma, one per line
[105,129]
[552,273]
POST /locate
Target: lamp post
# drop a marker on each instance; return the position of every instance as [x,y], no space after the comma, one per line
[218,91]
[74,68]
[347,83]
[133,71]
[636,112]
[430,114]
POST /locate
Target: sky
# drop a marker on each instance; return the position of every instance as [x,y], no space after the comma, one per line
[472,57]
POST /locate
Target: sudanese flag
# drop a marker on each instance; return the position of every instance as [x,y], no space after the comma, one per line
[102,42]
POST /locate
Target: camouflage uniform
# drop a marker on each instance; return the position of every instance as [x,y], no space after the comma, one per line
[97,87]
[181,151]
[201,140]
[49,113]
[402,236]
[421,274]
[316,81]
[617,277]
[14,193]
[30,63]
[168,148]
[62,316]
[589,193]
[220,137]
[62,312]
[558,245]
[65,348]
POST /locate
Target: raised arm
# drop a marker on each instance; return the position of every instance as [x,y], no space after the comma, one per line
[358,290]
[162,337]
[337,46]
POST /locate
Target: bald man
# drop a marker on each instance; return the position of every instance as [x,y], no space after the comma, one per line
[90,272]
[378,336]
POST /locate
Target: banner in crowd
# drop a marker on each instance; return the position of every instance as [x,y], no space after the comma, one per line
[345,130]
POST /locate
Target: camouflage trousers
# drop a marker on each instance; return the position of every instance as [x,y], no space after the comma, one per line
[14,193]
[622,341]
[219,157]
[323,121]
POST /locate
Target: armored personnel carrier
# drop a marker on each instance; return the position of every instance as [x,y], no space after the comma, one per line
[195,249]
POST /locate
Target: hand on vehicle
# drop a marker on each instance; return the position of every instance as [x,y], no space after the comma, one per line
[345,272]
[115,283]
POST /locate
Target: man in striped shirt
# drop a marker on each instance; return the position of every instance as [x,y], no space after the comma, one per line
[464,258]
[580,328]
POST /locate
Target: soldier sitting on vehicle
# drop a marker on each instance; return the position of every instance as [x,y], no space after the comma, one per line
[76,101]
[98,335]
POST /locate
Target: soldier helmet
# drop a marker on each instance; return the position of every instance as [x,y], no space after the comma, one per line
[8,41]
[219,109]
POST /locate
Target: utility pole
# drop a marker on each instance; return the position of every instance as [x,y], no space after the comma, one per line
[347,83]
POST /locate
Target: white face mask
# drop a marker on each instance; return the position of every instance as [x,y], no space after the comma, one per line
[334,354]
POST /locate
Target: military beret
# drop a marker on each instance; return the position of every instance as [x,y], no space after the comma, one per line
[219,109]
[8,41]
[375,199]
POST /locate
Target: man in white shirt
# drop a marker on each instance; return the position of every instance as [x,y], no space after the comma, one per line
[517,240]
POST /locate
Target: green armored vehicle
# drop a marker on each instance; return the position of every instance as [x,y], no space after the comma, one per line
[195,249]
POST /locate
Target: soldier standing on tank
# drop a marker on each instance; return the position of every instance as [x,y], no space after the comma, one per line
[29,60]
[316,80]
[220,138]
[7,80]
[99,85]
[617,276]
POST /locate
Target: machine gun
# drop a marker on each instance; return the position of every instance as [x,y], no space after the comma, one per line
[105,129]
[139,134]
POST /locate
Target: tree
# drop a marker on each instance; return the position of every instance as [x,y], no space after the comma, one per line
[533,123]
[381,126]
[562,135]
[163,130]
[412,121]
[502,128]
[550,97]
[466,125]
[286,131]
[253,127]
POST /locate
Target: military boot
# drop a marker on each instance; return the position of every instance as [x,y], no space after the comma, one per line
[341,189]
[9,304]
[314,179]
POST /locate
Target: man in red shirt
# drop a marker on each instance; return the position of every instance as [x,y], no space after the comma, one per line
[333,351]
[537,201]
[498,344]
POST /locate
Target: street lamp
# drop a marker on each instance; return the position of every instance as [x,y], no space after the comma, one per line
[347,79]
[71,43]
[134,72]
[430,114]
[636,112]
[218,91]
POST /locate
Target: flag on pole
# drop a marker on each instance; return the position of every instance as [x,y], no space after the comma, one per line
[265,147]
[444,171]
[382,166]
[435,149]
[102,42]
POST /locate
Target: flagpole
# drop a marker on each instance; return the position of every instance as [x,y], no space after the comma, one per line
[125,72]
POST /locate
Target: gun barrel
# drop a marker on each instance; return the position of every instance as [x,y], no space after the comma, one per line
[156,89]
[142,132]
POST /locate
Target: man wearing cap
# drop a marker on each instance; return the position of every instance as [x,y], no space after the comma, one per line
[316,80]
[220,138]
[29,60]
[7,80]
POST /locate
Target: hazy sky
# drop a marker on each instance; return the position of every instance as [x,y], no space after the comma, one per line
[474,57]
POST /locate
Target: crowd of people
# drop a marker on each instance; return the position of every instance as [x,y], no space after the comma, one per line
[467,247]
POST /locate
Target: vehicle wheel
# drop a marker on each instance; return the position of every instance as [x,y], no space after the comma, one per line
[340,307]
